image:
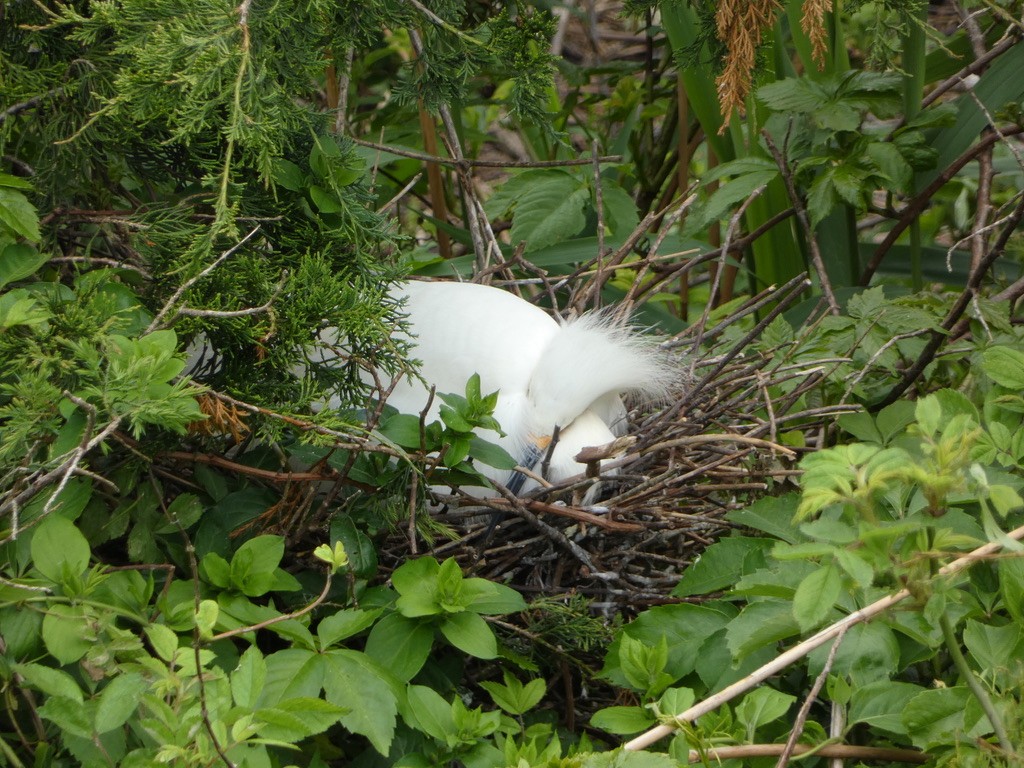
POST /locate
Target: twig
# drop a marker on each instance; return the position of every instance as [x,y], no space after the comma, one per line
[805,222]
[953,317]
[805,709]
[196,278]
[849,751]
[916,205]
[277,619]
[729,234]
[428,158]
[800,650]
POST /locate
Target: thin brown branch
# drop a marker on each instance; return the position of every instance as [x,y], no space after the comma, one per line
[916,205]
[805,222]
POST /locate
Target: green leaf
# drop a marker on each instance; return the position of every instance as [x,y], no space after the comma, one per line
[52,682]
[18,214]
[64,633]
[758,625]
[354,681]
[490,598]
[344,624]
[549,209]
[723,564]
[248,678]
[816,596]
[932,716]
[762,706]
[59,550]
[470,634]
[772,515]
[18,261]
[868,652]
[431,713]
[881,704]
[401,645]
[1011,587]
[622,721]
[68,715]
[1005,366]
[514,697]
[489,453]
[994,648]
[292,673]
[253,566]
[163,639]
[294,719]
[118,701]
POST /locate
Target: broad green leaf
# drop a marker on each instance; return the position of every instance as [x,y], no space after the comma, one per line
[762,706]
[1005,366]
[52,682]
[65,633]
[868,652]
[353,681]
[490,598]
[248,678]
[995,649]
[68,715]
[119,700]
[59,550]
[932,717]
[816,596]
[881,704]
[400,644]
[1011,587]
[18,214]
[758,625]
[723,564]
[292,673]
[772,515]
[294,719]
[431,713]
[684,628]
[470,634]
[622,721]
[253,566]
[343,624]
[18,261]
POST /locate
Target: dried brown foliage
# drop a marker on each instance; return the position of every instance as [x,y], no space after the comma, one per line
[813,25]
[741,25]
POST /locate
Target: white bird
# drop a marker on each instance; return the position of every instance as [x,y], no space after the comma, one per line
[570,376]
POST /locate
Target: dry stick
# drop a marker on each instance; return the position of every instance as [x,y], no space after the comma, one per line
[277,619]
[729,233]
[973,68]
[952,319]
[805,709]
[914,208]
[196,278]
[800,650]
[805,222]
[838,751]
[435,182]
[414,155]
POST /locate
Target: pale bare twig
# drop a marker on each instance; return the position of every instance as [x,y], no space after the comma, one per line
[800,650]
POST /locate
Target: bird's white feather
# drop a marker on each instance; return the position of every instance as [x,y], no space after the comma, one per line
[590,361]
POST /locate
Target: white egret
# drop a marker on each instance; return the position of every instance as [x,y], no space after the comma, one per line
[565,379]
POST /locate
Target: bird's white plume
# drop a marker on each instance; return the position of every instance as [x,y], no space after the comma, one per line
[588,360]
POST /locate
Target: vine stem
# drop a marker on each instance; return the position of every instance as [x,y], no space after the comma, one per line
[953,646]
[800,650]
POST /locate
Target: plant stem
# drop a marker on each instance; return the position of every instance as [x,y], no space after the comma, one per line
[953,646]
